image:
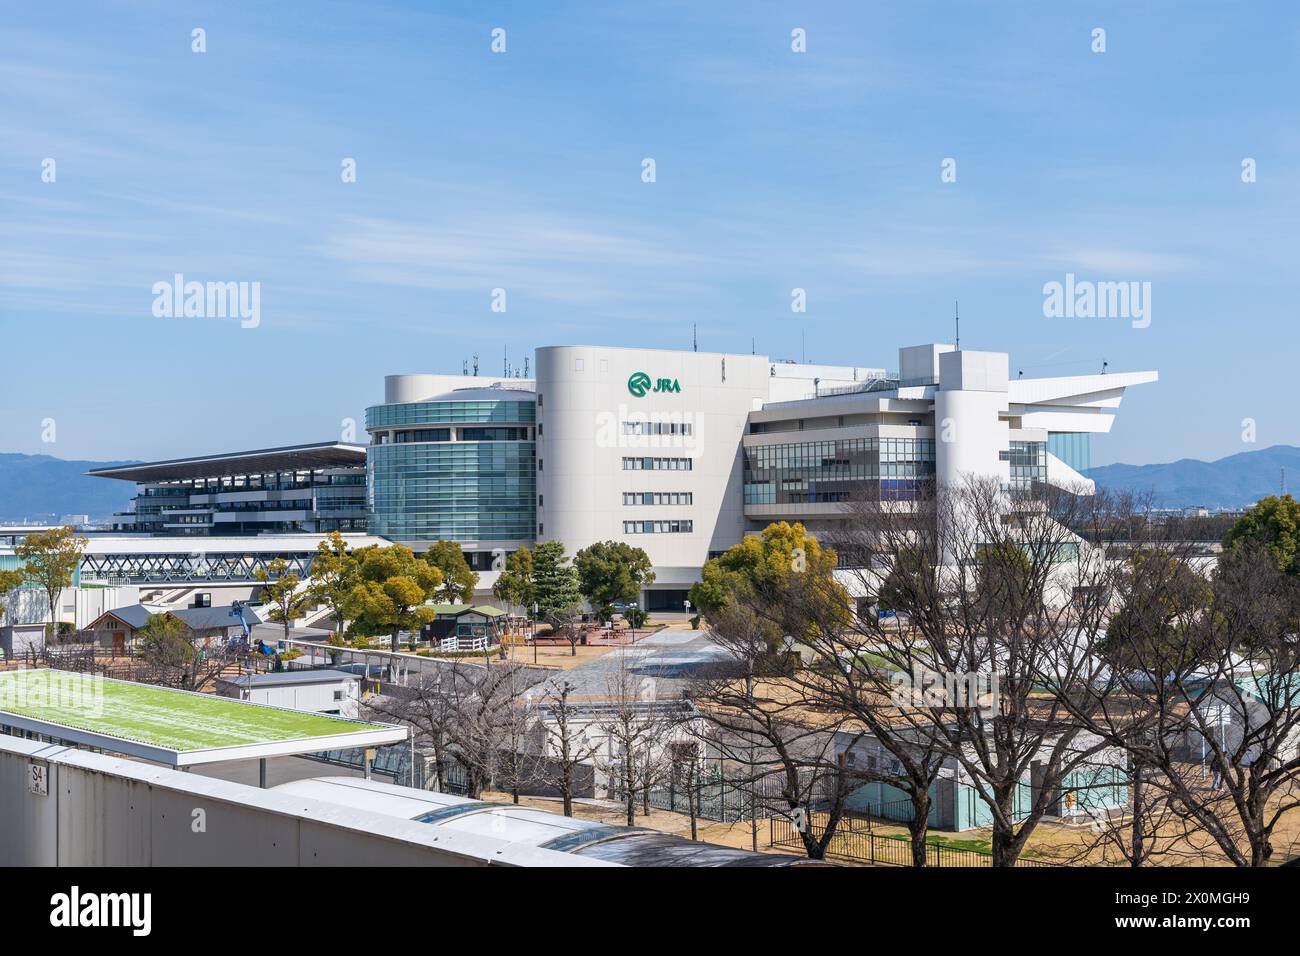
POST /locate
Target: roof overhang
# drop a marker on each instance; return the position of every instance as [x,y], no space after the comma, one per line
[288,458]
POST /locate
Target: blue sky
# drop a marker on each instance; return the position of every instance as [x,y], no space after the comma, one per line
[522,171]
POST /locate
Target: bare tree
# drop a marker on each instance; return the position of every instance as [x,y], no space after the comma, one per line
[1207,667]
[637,728]
[470,714]
[568,746]
[425,704]
[685,757]
[991,595]
[519,744]
[760,719]
[884,739]
[169,653]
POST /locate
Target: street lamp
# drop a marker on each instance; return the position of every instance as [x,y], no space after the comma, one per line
[632,621]
[534,630]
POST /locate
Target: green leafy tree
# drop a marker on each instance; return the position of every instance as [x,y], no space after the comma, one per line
[911,571]
[1003,580]
[333,576]
[10,581]
[393,586]
[280,589]
[50,560]
[761,567]
[1273,522]
[515,583]
[458,580]
[555,580]
[610,571]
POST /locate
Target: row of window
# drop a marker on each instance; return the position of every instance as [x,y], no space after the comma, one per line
[416,434]
[657,464]
[276,481]
[658,498]
[861,455]
[437,413]
[657,428]
[685,526]
[889,469]
[870,489]
[471,433]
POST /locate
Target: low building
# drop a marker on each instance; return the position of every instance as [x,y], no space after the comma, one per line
[117,629]
[473,627]
[1095,787]
[318,691]
[1247,714]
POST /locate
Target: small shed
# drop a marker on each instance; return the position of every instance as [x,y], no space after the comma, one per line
[472,625]
[317,691]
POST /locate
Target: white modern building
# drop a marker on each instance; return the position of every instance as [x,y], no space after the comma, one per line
[683,453]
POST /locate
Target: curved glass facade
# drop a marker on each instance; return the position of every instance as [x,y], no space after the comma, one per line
[430,478]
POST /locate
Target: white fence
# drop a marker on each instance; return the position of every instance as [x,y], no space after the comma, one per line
[454,643]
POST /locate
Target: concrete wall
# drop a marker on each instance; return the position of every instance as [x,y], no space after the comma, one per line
[106,811]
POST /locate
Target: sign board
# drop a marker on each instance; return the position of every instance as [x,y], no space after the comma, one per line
[38,779]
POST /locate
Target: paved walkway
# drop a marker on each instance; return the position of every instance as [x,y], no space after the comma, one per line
[670,658]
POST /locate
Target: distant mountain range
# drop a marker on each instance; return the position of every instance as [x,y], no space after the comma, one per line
[40,487]
[1237,481]
[43,488]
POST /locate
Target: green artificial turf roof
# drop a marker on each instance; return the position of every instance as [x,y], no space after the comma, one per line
[158,716]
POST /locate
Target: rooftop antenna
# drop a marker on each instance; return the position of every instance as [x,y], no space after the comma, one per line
[526,358]
[695,337]
[753,347]
[1020,374]
[476,365]
[464,366]
[956,318]
[1104,363]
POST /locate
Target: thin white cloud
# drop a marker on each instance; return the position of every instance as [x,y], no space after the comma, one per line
[559,261]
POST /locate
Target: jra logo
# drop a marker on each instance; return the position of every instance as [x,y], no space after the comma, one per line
[639,384]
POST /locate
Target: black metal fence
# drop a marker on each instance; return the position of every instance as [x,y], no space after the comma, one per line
[715,799]
[855,841]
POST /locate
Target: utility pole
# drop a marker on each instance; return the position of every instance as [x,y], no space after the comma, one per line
[956,318]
